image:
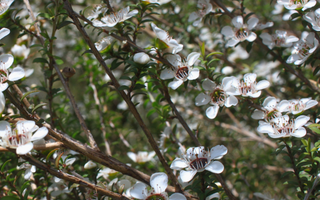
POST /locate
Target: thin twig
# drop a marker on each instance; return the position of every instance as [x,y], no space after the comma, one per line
[116,84]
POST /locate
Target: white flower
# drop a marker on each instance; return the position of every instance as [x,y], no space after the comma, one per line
[217,95]
[241,32]
[172,44]
[284,127]
[114,18]
[197,159]
[279,39]
[249,86]
[296,106]
[30,169]
[17,73]
[159,183]
[20,51]
[142,156]
[303,49]
[271,109]
[141,58]
[106,172]
[2,102]
[102,44]
[297,4]
[205,8]
[313,17]
[4,5]
[22,136]
[90,165]
[182,71]
[4,32]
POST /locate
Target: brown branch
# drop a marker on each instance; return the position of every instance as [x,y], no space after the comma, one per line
[131,106]
[41,147]
[74,179]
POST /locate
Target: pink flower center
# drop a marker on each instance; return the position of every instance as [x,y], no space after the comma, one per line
[198,163]
[156,197]
[182,72]
[218,96]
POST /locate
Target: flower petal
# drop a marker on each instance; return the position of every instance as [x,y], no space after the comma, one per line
[231,101]
[4,32]
[16,74]
[252,22]
[166,74]
[192,58]
[6,60]
[175,84]
[237,21]
[257,114]
[24,149]
[218,151]
[262,84]
[132,156]
[194,74]
[232,42]
[179,164]
[300,132]
[300,121]
[177,196]
[3,86]
[41,133]
[187,176]
[208,85]
[202,99]
[215,167]
[159,182]
[212,111]
[139,191]
[227,31]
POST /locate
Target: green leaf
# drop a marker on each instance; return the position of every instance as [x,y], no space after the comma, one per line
[123,87]
[286,174]
[26,94]
[4,164]
[40,60]
[24,186]
[10,198]
[203,49]
[214,53]
[38,106]
[64,23]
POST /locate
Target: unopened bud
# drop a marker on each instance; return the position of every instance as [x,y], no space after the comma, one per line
[141,58]
[90,165]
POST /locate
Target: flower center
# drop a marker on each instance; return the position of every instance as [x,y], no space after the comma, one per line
[218,96]
[199,163]
[156,197]
[242,33]
[297,106]
[279,40]
[17,140]
[303,50]
[182,72]
[272,114]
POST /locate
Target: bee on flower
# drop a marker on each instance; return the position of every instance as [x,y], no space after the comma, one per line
[182,70]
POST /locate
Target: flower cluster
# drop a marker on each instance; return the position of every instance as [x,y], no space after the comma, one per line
[277,125]
[224,94]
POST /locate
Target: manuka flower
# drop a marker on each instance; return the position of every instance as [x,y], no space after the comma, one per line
[284,127]
[249,86]
[17,73]
[22,136]
[271,109]
[297,4]
[296,106]
[313,17]
[241,31]
[303,49]
[114,18]
[217,95]
[279,39]
[172,45]
[158,183]
[141,58]
[197,159]
[4,32]
[205,8]
[182,71]
[4,5]
[141,156]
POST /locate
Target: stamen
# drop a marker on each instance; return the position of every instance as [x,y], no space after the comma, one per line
[182,72]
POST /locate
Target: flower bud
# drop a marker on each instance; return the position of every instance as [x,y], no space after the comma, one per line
[141,58]
[90,165]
